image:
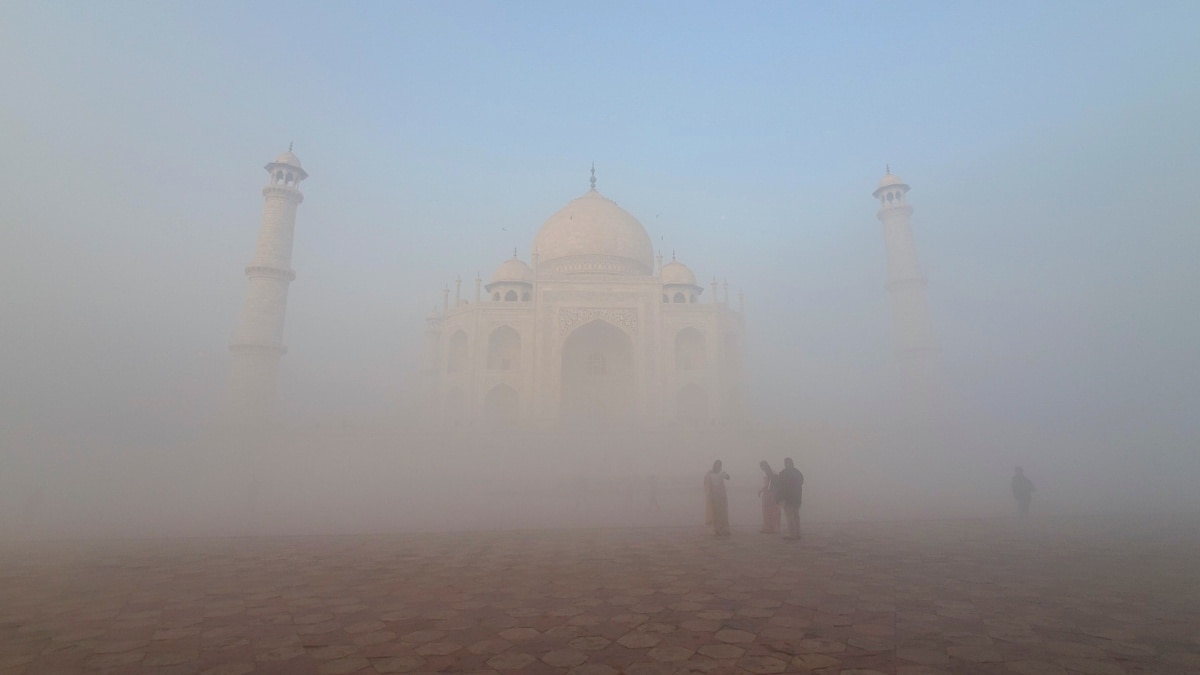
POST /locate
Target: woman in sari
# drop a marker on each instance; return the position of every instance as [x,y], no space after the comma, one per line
[716,502]
[770,507]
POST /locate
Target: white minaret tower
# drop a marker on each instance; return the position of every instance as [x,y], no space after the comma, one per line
[912,334]
[258,342]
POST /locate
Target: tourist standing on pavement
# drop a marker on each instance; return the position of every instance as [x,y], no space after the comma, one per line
[770,507]
[789,488]
[717,504]
[1022,489]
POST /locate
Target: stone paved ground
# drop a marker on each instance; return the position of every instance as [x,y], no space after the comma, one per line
[1052,596]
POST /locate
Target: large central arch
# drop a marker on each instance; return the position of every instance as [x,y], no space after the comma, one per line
[598,378]
[501,406]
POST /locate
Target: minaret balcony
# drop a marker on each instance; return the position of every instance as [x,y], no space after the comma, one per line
[911,283]
[284,191]
[270,273]
[247,348]
[893,211]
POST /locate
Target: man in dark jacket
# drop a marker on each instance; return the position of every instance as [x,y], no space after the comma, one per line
[789,488]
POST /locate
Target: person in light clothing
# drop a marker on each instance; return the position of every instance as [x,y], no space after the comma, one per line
[770,507]
[717,504]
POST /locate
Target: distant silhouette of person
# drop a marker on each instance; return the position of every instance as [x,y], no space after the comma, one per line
[770,507]
[716,502]
[1022,489]
[789,490]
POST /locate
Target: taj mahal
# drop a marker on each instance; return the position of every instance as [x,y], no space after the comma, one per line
[594,330]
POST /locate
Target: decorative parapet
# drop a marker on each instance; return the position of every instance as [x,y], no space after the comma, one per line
[593,264]
[572,317]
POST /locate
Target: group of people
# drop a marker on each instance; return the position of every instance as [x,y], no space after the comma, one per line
[781,492]
[780,495]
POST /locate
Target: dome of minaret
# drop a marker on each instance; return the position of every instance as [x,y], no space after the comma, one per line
[289,158]
[890,180]
[289,161]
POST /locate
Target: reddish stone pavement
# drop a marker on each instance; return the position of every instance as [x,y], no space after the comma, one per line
[1042,597]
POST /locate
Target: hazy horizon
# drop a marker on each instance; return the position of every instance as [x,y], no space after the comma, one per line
[1051,152]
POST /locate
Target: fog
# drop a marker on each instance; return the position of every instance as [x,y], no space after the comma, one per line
[1052,158]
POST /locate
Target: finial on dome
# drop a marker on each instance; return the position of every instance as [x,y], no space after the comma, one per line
[887,168]
[289,146]
[672,255]
[593,180]
[514,253]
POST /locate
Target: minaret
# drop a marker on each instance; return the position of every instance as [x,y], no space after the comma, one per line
[912,334]
[258,342]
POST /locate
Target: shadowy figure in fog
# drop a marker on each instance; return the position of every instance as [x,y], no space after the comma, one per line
[770,507]
[1022,489]
[716,503]
[788,491]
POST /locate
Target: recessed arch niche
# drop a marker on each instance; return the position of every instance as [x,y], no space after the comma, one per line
[598,378]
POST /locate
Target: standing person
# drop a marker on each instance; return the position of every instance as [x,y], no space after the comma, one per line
[790,487]
[1022,489]
[770,507]
[716,501]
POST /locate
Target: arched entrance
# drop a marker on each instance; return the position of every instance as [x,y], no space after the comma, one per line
[598,379]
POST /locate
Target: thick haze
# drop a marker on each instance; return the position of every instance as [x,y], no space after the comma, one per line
[1052,150]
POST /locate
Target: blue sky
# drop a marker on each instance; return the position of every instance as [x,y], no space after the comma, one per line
[1051,147]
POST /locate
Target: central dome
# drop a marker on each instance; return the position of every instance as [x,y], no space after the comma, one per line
[592,235]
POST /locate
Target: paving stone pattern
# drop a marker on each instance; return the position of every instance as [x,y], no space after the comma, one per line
[1047,597]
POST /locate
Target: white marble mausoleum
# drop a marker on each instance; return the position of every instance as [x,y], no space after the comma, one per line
[593,331]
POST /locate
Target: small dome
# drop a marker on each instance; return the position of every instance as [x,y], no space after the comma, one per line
[291,162]
[591,234]
[890,180]
[289,159]
[676,272]
[513,270]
